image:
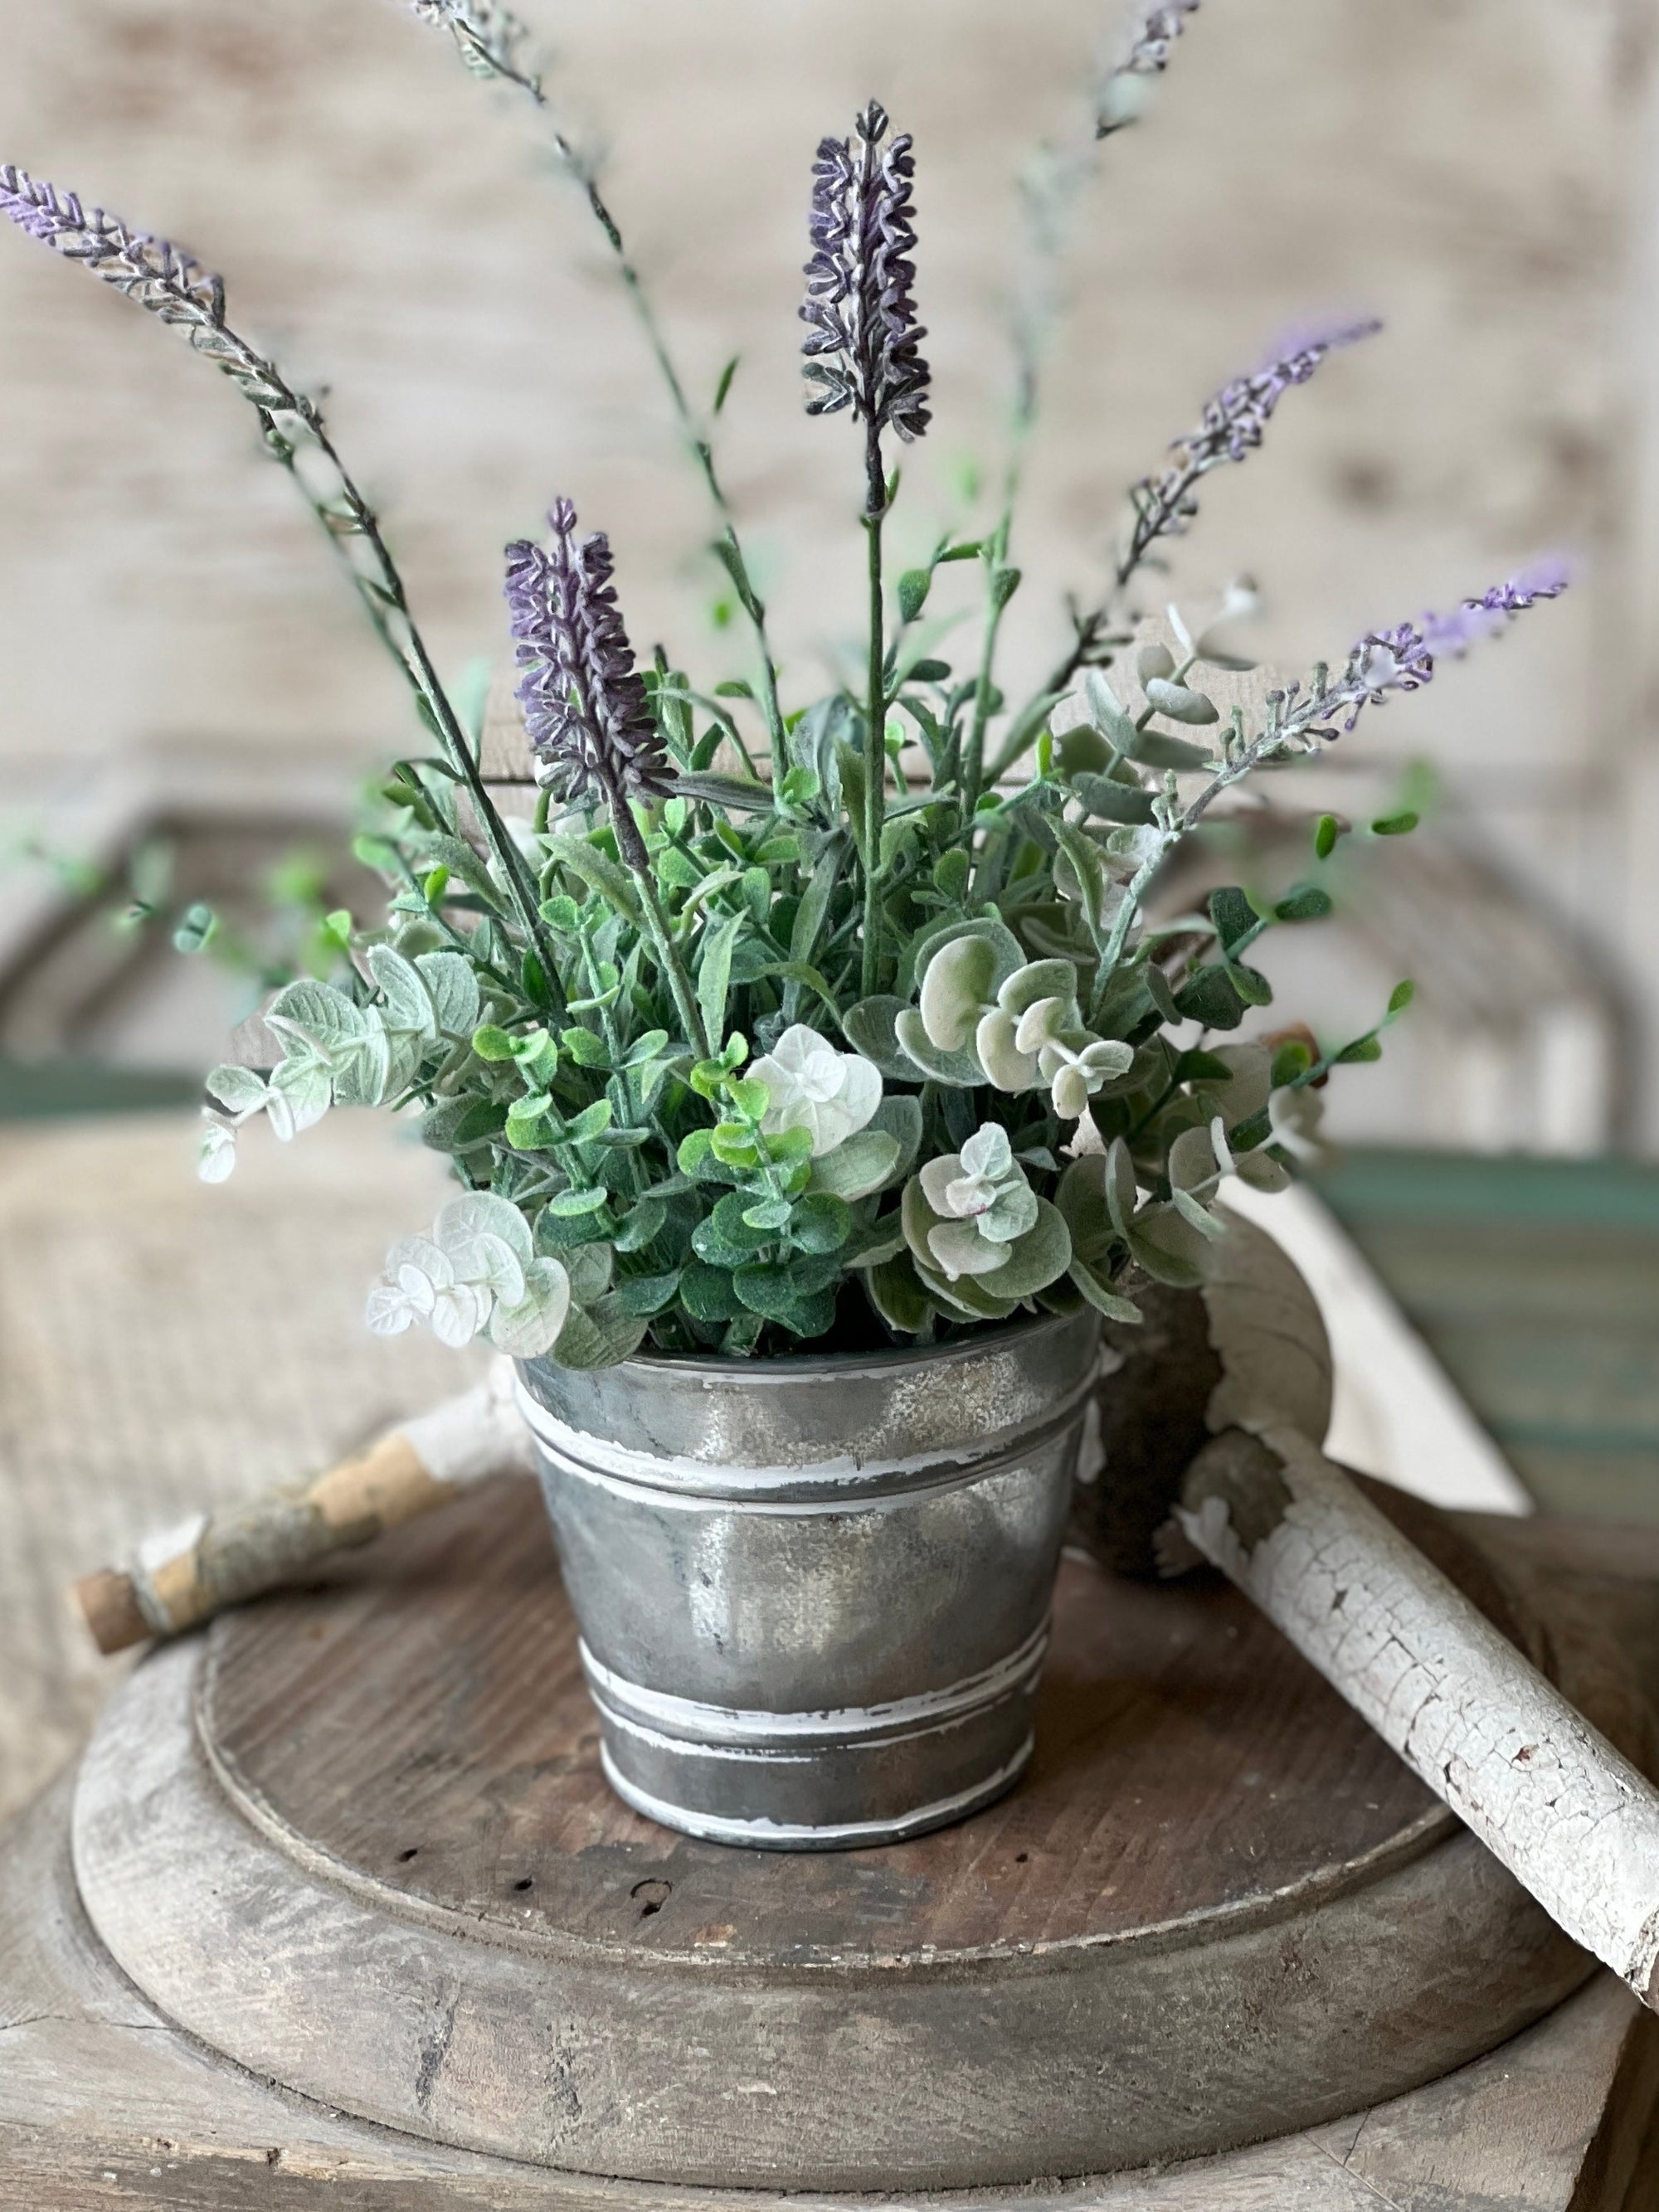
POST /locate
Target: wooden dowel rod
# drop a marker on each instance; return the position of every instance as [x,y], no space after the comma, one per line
[186,1575]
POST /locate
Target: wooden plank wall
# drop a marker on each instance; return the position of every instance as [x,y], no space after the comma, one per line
[1473,168]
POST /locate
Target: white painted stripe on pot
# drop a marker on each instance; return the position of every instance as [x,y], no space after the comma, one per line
[762,1759]
[846,1485]
[783,1835]
[689,1720]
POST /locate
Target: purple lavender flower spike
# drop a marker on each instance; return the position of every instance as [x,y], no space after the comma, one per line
[586,710]
[1234,420]
[1384,660]
[1158,32]
[160,277]
[863,349]
[1403,660]
[1233,424]
[1544,578]
[1453,633]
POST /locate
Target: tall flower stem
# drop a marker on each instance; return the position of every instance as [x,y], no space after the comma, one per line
[697,441]
[348,516]
[175,287]
[490,56]
[862,353]
[875,741]
[1112,953]
[1232,425]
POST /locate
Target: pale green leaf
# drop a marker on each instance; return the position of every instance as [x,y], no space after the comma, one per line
[870,1027]
[715,976]
[408,1002]
[453,986]
[318,1013]
[862,1164]
[240,1091]
[961,1070]
[1194,1211]
[600,872]
[301,1093]
[1098,1291]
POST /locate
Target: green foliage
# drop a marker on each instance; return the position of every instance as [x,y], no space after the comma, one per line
[695,1192]
[862,1032]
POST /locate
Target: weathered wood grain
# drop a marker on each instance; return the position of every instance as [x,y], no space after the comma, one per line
[1530,1773]
[102,2101]
[381,1866]
[423,1724]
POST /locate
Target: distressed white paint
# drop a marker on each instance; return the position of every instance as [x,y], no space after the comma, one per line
[1545,1792]
[714,1828]
[1395,1413]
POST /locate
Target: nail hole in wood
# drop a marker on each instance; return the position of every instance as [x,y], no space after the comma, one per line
[652,1896]
[403,1857]
[1020,1858]
[525,1881]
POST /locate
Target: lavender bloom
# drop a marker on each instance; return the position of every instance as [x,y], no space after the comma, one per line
[1545,578]
[1235,419]
[1384,660]
[1143,51]
[1156,34]
[489,36]
[169,283]
[863,347]
[1455,633]
[1403,659]
[585,711]
[1233,424]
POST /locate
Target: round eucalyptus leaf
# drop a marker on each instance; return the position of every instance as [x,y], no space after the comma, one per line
[1179,701]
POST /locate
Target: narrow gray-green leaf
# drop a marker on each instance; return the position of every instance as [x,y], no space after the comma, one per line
[714,977]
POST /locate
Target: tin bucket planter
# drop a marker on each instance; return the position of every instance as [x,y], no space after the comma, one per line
[814,1592]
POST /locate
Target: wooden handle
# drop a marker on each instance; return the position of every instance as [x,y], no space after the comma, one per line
[186,1575]
[109,1605]
[1546,1794]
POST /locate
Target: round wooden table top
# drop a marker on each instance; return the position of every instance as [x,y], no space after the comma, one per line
[424,1723]
[359,1839]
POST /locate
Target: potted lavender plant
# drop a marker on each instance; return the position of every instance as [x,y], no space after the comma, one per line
[808,1114]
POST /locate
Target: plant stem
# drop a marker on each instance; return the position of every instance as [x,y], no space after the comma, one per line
[462,945]
[383,595]
[1122,923]
[1150,524]
[875,741]
[596,988]
[973,761]
[696,436]
[631,845]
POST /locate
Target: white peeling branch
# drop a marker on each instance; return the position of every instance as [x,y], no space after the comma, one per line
[1544,1792]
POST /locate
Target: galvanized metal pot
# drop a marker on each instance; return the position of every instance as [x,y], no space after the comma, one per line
[814,1592]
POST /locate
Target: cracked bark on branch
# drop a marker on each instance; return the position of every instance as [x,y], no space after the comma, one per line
[1544,1792]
